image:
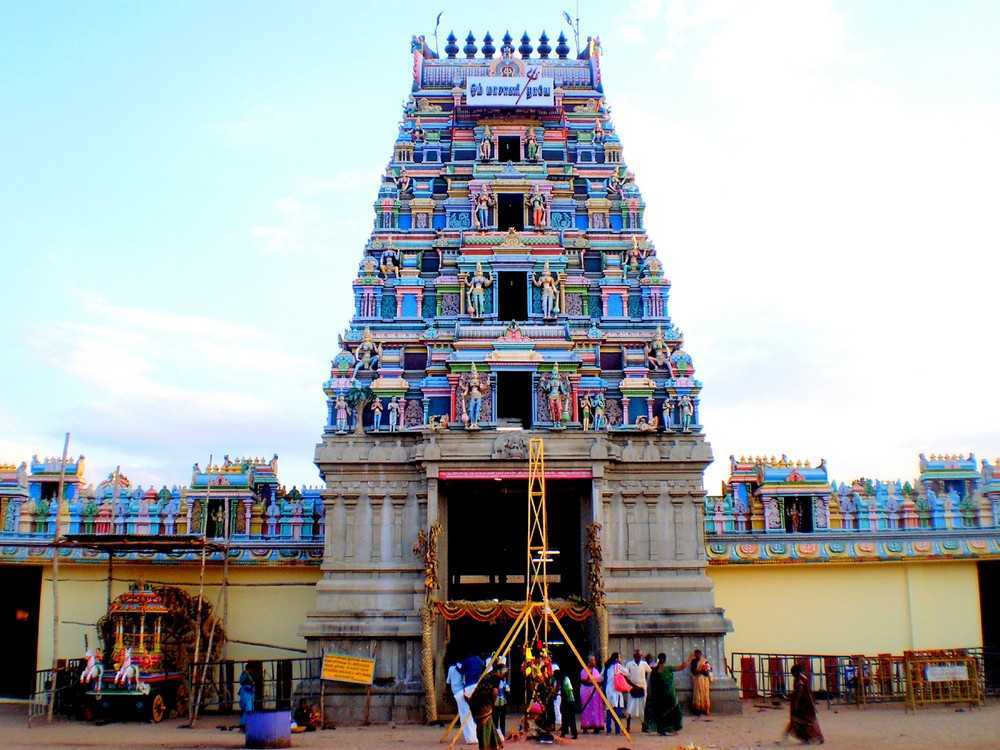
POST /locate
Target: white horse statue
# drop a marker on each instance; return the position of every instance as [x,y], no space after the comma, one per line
[128,671]
[94,670]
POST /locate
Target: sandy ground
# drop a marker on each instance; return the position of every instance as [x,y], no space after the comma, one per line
[883,727]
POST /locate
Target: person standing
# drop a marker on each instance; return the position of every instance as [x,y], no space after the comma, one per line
[666,711]
[482,703]
[802,721]
[591,705]
[456,683]
[637,671]
[503,693]
[568,704]
[701,682]
[615,688]
[247,691]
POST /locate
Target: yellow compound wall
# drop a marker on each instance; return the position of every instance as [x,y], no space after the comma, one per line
[261,612]
[847,609]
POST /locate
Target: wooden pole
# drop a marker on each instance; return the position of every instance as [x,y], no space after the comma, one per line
[201,593]
[55,582]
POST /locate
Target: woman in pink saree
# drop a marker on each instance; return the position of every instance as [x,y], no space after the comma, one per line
[591,705]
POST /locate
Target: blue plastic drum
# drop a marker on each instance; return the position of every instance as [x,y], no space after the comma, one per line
[269,729]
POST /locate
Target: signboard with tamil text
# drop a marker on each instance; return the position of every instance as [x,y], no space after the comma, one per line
[503,91]
[358,670]
[946,673]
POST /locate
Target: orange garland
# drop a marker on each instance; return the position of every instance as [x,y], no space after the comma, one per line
[493,611]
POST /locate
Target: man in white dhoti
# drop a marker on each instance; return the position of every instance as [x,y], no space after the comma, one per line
[456,683]
[637,671]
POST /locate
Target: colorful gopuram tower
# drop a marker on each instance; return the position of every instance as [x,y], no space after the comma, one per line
[508,288]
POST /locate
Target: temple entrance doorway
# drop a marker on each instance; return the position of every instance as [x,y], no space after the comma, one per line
[989,590]
[514,398]
[510,211]
[512,296]
[22,587]
[509,148]
[487,560]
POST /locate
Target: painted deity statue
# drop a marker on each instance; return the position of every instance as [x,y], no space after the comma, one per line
[486,145]
[616,187]
[390,263]
[686,407]
[472,391]
[340,412]
[550,288]
[642,424]
[477,285]
[403,182]
[599,134]
[634,255]
[513,332]
[377,414]
[417,134]
[658,353]
[587,409]
[394,414]
[539,208]
[556,390]
[483,203]
[367,353]
[531,145]
[668,414]
[600,417]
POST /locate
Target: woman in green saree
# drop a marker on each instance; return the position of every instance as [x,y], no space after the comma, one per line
[665,711]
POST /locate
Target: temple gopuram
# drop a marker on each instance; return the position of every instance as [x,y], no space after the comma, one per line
[509,289]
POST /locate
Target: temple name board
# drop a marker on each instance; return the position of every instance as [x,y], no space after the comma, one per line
[504,91]
[354,669]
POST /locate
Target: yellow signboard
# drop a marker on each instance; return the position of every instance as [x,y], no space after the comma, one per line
[342,668]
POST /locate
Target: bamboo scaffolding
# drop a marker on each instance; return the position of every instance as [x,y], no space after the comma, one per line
[534,618]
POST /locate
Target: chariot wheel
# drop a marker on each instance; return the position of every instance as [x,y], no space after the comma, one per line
[157,708]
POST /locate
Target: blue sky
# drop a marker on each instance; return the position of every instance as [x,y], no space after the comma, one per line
[187,188]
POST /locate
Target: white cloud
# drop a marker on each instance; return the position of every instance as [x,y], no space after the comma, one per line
[831,239]
[319,213]
[161,390]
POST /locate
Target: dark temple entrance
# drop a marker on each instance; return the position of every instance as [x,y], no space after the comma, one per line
[989,591]
[510,211]
[509,148]
[22,587]
[512,295]
[487,539]
[514,398]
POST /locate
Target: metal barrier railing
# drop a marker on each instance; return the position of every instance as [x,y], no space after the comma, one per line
[841,678]
[58,684]
[278,683]
[836,678]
